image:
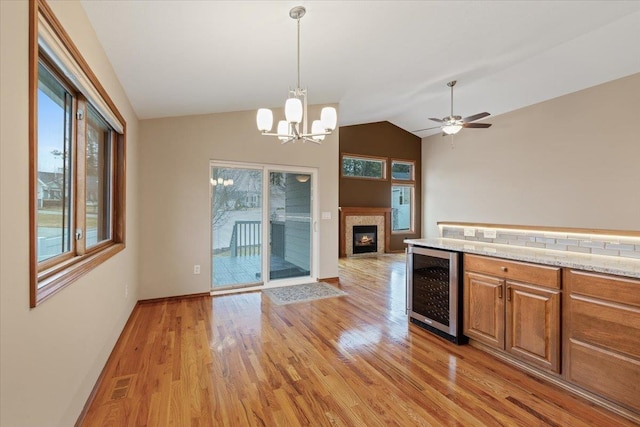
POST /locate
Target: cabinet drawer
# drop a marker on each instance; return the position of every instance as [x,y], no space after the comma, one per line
[616,289]
[608,374]
[513,270]
[605,324]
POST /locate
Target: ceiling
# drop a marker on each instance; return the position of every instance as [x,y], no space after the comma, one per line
[380,60]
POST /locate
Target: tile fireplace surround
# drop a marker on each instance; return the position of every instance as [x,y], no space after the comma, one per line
[364,216]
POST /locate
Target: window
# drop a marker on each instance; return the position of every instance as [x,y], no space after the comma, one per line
[54,214]
[402,170]
[77,150]
[401,208]
[364,167]
[402,196]
[99,156]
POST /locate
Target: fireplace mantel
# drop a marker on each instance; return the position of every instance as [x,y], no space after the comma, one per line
[363,211]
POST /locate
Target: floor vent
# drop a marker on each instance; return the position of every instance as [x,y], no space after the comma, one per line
[121,387]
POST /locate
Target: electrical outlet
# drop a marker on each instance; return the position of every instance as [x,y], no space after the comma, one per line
[490,234]
[126,290]
[196,269]
[469,232]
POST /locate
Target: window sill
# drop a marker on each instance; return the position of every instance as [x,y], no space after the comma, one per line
[53,280]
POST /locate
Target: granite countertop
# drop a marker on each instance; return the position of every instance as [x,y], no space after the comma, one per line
[598,263]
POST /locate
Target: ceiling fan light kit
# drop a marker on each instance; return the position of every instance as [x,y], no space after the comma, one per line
[451,125]
[295,127]
[451,129]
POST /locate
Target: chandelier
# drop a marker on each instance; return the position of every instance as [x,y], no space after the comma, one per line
[294,128]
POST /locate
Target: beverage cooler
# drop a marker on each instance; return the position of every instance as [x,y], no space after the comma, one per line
[434,291]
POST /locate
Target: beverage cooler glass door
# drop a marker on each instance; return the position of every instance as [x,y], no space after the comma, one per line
[433,279]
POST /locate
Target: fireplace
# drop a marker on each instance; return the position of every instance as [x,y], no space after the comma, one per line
[352,216]
[365,239]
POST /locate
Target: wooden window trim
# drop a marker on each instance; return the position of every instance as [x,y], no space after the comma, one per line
[403,181]
[412,219]
[49,277]
[385,161]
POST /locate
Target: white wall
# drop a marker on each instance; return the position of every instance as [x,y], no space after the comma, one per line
[51,356]
[174,185]
[573,161]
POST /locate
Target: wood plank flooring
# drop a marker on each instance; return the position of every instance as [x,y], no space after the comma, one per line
[238,360]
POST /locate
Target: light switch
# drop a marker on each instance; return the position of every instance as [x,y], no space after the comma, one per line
[326,215]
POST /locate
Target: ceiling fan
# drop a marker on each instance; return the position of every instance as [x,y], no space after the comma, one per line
[453,124]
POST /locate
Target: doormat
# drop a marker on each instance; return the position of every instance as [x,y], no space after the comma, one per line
[302,293]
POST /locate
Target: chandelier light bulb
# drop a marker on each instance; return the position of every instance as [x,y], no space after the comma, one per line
[293,110]
[317,127]
[329,118]
[264,119]
[283,130]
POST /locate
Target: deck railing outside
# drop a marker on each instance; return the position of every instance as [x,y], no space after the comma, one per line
[246,238]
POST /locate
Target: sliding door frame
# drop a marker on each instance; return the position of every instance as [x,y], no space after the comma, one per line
[266,169]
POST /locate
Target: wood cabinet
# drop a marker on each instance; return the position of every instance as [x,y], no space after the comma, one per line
[533,324]
[602,335]
[483,316]
[514,307]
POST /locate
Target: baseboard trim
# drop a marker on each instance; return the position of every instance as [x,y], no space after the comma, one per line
[173,298]
[96,386]
[560,382]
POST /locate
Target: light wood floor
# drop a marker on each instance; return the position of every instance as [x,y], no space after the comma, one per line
[239,360]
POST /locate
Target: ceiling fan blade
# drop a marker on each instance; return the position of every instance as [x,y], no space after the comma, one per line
[476,125]
[436,120]
[475,117]
[420,130]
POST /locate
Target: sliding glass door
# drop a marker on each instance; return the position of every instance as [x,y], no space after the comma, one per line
[236,226]
[290,220]
[242,230]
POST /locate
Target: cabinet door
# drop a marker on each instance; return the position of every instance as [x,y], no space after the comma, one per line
[484,309]
[533,324]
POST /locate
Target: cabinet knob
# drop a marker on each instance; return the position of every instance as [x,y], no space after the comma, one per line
[503,268]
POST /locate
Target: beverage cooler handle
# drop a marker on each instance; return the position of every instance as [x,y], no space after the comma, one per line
[407,273]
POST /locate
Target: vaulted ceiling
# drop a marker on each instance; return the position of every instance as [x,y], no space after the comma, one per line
[380,60]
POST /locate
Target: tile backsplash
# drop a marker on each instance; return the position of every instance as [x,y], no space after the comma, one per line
[611,245]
